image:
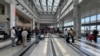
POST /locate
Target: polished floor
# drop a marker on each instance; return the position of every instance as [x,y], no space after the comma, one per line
[52,45]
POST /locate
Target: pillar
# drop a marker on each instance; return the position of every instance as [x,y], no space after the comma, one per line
[33,24]
[61,24]
[12,13]
[38,25]
[77,18]
[55,25]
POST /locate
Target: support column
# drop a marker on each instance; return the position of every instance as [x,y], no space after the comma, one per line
[61,24]
[38,25]
[55,25]
[12,13]
[33,24]
[77,18]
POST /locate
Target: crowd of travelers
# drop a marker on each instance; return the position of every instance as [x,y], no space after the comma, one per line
[24,35]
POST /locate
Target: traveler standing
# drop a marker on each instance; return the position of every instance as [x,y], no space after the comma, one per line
[37,35]
[29,34]
[87,33]
[24,37]
[65,34]
[71,35]
[13,35]
[19,40]
[95,33]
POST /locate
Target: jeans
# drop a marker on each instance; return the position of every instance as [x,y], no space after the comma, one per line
[24,40]
[37,38]
[65,36]
[13,42]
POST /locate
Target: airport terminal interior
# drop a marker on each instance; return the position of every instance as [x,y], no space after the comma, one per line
[49,27]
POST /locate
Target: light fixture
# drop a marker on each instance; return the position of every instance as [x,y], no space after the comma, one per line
[26,11]
[17,4]
[22,8]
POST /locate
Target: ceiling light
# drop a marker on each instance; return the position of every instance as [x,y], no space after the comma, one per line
[17,4]
[22,8]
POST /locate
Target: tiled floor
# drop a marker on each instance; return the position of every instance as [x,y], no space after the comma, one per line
[40,49]
[56,46]
[11,50]
[5,43]
[98,41]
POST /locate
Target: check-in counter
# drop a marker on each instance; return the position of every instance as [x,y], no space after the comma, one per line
[4,35]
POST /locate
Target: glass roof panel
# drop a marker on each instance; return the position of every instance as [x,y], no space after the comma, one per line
[49,9]
[56,2]
[43,8]
[54,9]
[43,2]
[50,2]
[37,2]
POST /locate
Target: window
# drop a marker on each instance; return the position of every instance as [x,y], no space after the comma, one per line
[93,18]
[65,24]
[82,29]
[92,28]
[86,27]
[82,21]
[57,25]
[72,23]
[98,17]
[98,28]
[2,10]
[87,20]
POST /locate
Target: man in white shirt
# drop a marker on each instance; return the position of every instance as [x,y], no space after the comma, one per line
[13,35]
[65,34]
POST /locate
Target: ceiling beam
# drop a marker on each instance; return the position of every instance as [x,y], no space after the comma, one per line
[35,6]
[52,6]
[41,5]
[47,5]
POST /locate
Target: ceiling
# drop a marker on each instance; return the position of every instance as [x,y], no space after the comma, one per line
[46,6]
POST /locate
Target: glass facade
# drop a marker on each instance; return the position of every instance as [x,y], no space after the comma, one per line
[69,23]
[91,22]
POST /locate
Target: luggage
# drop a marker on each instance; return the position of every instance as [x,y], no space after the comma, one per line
[90,37]
[42,36]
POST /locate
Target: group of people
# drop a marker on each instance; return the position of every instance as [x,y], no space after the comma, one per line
[69,34]
[22,34]
[92,36]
